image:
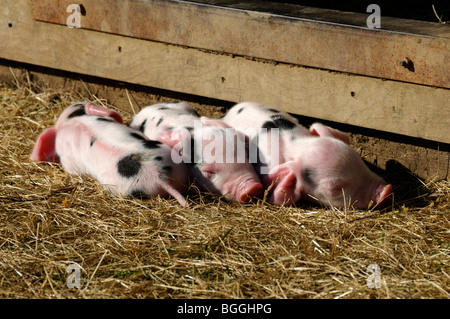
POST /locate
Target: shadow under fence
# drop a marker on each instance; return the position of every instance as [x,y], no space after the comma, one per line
[408,188]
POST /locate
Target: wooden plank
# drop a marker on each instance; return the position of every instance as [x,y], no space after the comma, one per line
[409,109]
[414,58]
[339,17]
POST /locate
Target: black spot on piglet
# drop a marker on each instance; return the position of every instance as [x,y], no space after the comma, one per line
[104,119]
[78,112]
[308,176]
[129,165]
[166,169]
[279,122]
[142,127]
[150,144]
[282,123]
[268,125]
[137,136]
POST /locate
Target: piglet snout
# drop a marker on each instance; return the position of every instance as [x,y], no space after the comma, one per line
[381,193]
[249,189]
[283,192]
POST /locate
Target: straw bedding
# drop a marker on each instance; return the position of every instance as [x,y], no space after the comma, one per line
[154,248]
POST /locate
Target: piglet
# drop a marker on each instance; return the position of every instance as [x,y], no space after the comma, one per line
[91,140]
[315,164]
[214,152]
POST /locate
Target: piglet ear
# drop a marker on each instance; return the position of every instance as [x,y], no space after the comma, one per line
[92,109]
[173,138]
[213,122]
[168,138]
[318,129]
[44,149]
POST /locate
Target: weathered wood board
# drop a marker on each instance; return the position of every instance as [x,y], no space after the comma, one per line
[282,38]
[405,108]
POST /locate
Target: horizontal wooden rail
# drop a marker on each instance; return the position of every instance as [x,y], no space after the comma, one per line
[403,56]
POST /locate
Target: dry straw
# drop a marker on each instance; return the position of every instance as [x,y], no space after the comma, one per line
[154,248]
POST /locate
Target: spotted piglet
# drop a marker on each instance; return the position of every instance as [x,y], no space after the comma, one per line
[91,140]
[158,118]
[214,152]
[297,163]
